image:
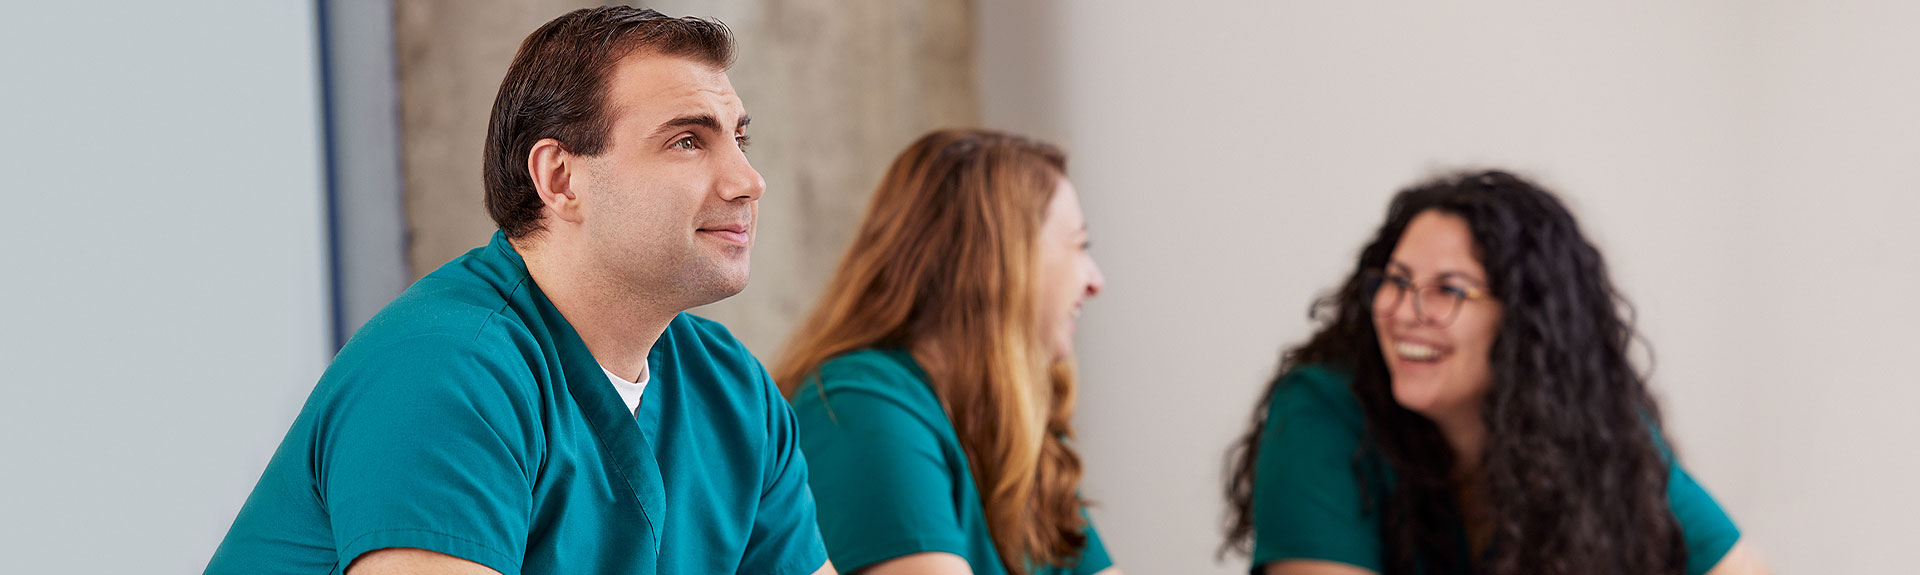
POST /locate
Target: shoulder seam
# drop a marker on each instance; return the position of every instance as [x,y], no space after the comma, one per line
[505,302]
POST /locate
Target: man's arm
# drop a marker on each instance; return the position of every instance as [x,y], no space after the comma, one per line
[410,561]
[429,448]
[934,564]
[922,564]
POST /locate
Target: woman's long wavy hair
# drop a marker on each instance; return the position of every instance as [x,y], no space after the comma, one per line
[944,266]
[1572,478]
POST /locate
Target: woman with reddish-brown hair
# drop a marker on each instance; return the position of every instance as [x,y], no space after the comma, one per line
[934,383]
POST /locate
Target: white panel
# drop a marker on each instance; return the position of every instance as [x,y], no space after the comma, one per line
[164,275]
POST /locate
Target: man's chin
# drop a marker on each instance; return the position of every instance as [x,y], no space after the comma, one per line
[717,285]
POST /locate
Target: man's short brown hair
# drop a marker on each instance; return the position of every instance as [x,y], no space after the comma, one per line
[556,88]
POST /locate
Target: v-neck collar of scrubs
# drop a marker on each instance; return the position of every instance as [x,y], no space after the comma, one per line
[629,448]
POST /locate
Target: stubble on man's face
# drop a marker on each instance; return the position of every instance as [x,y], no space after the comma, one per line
[675,202]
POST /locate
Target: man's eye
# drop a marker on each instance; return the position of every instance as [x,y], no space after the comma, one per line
[686,143]
[743,141]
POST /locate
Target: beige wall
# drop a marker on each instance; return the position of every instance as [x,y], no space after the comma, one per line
[1747,168]
[835,90]
[451,55]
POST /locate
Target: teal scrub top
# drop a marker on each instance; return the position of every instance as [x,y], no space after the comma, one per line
[1308,501]
[889,472]
[469,419]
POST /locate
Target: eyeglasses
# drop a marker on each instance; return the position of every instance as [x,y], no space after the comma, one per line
[1435,305]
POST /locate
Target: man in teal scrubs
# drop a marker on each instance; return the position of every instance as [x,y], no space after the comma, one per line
[542,404]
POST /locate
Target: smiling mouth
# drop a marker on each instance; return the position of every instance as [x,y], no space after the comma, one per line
[1417,352]
[730,234]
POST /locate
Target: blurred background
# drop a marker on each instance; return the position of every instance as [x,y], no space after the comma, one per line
[208,196]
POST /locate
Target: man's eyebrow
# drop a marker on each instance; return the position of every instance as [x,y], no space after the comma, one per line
[697,121]
[690,121]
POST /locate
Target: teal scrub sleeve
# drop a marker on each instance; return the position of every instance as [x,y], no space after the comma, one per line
[786,536]
[879,475]
[1093,557]
[1307,502]
[1709,533]
[430,445]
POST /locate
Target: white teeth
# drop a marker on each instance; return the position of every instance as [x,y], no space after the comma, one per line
[1415,352]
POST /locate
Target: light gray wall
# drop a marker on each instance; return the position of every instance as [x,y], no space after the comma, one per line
[369,228]
[164,277]
[1827,267]
[1747,168]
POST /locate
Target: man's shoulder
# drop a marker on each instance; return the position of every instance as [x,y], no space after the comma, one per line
[445,330]
[460,298]
[427,324]
[475,296]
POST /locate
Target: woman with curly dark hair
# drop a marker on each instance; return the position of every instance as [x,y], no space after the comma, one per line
[1468,406]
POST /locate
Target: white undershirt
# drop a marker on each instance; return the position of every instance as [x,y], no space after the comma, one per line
[629,390]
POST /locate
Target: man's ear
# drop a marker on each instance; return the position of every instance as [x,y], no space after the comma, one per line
[553,168]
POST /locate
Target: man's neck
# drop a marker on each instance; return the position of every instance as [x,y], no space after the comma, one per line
[616,320]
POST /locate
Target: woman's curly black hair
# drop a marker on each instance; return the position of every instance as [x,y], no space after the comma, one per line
[1572,476]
